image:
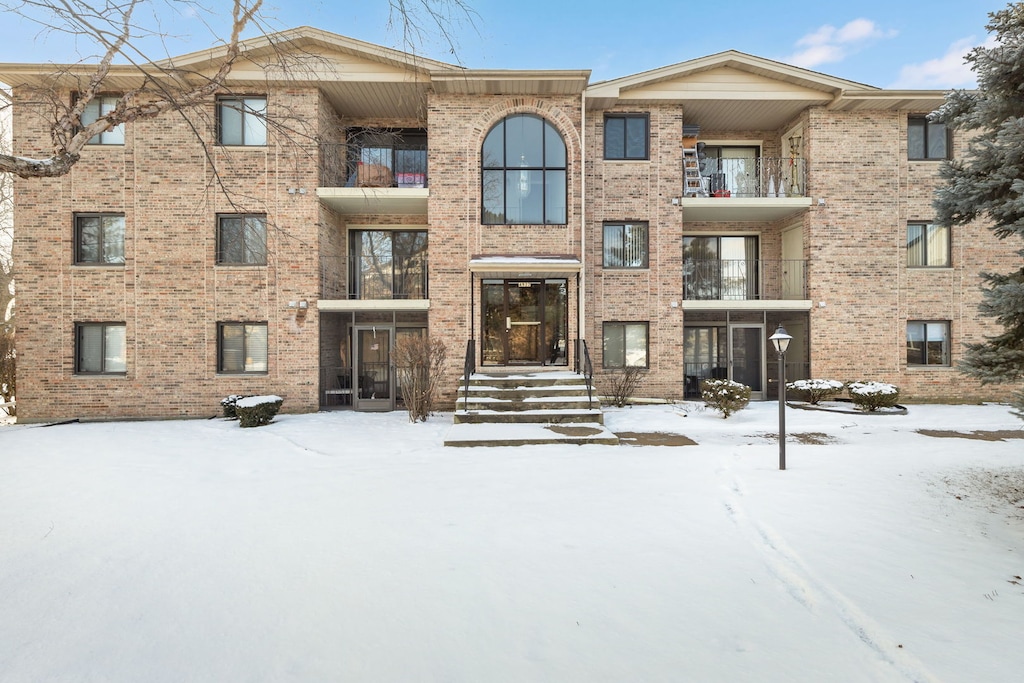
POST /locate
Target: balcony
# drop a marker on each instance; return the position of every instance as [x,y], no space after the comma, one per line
[742,280]
[383,175]
[384,270]
[748,189]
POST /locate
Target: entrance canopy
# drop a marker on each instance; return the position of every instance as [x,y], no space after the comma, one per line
[525,266]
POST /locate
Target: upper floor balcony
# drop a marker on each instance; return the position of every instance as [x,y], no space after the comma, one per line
[743,187]
[377,171]
[736,280]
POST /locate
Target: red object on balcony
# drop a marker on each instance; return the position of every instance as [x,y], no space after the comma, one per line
[721,193]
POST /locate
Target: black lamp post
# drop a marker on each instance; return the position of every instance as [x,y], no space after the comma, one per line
[780,340]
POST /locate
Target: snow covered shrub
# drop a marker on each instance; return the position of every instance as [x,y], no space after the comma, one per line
[814,390]
[724,395]
[255,411]
[870,396]
[228,404]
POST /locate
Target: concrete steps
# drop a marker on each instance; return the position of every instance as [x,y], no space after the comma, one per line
[542,407]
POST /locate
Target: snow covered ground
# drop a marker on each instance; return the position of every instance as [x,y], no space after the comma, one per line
[354,547]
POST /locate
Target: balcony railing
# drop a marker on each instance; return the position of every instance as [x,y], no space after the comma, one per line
[345,165]
[400,280]
[744,280]
[754,177]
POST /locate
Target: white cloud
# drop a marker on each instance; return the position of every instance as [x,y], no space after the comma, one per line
[947,71]
[830,44]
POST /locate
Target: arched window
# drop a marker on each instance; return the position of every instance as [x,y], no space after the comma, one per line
[523,177]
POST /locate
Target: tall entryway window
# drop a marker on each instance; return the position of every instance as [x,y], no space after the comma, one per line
[524,173]
[525,322]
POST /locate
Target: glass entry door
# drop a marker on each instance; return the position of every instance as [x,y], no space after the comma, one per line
[372,361]
[524,322]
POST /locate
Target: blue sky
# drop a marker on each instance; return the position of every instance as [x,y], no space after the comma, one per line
[893,44]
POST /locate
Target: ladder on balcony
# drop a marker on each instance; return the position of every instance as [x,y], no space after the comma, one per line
[693,181]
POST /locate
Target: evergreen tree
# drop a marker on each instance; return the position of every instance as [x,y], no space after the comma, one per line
[988,185]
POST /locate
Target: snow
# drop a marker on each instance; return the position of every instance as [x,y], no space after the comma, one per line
[353,546]
[253,401]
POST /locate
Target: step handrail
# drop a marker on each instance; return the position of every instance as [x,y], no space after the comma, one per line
[468,368]
[585,367]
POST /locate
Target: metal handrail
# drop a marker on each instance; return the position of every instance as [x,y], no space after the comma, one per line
[755,177]
[744,279]
[468,368]
[585,366]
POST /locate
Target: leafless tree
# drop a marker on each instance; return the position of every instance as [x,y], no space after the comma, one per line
[115,28]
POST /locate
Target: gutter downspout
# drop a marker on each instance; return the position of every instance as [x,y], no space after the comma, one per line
[582,288]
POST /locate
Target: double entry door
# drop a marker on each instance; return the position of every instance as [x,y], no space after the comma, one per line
[524,322]
[735,352]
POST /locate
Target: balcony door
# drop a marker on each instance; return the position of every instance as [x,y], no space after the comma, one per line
[524,322]
[731,170]
[720,268]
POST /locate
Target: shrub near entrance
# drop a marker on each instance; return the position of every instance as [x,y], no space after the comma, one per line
[724,395]
[870,396]
[814,390]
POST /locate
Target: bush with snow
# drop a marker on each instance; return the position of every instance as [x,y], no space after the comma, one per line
[814,390]
[870,396]
[228,404]
[724,395]
[255,411]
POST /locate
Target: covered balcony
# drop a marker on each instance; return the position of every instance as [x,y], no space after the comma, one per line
[377,171]
[734,184]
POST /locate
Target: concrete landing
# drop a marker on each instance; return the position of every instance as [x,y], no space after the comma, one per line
[521,434]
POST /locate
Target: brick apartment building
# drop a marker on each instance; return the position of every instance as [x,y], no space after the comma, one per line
[280,238]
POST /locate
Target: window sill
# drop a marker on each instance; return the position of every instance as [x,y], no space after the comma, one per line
[625,270]
[243,374]
[930,269]
[241,266]
[627,161]
[931,368]
[100,375]
[99,266]
[232,148]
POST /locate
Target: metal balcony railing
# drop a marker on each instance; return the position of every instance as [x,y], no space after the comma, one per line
[744,280]
[346,165]
[755,177]
[396,278]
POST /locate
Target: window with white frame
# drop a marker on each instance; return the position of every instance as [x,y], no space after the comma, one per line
[927,139]
[242,347]
[927,245]
[624,344]
[97,108]
[100,348]
[626,136]
[242,239]
[928,342]
[242,121]
[99,239]
[625,245]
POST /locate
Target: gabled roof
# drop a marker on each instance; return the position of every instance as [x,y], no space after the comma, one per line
[735,91]
[309,40]
[360,79]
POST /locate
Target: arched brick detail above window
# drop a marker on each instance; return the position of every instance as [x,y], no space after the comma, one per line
[565,125]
